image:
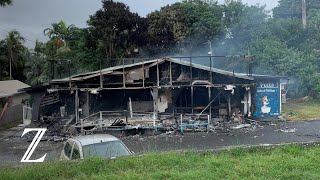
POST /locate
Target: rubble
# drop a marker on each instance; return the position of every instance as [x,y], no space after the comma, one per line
[58,128]
[289,130]
[241,126]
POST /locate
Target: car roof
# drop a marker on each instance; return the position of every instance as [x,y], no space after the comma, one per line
[94,139]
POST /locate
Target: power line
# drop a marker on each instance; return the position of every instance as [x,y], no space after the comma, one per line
[23,37]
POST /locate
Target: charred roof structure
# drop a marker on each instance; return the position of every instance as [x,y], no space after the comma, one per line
[158,93]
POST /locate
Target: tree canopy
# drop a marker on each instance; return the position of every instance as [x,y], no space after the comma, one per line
[4,3]
[114,31]
[278,40]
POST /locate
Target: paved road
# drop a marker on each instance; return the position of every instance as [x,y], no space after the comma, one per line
[12,146]
[267,134]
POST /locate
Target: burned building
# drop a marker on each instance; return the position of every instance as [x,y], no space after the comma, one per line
[154,93]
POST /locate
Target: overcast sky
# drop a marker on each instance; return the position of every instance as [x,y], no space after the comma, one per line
[31,17]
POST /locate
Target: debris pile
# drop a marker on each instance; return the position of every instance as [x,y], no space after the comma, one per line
[58,128]
[229,128]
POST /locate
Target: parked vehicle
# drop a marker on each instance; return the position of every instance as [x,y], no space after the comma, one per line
[103,146]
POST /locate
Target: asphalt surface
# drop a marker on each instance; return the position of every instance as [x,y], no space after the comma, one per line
[13,147]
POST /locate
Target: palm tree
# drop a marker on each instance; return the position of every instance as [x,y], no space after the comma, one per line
[4,3]
[14,43]
[39,48]
[37,70]
[60,33]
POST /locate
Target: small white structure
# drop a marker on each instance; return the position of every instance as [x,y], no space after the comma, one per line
[12,101]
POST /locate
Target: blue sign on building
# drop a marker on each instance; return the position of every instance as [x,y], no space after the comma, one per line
[268,99]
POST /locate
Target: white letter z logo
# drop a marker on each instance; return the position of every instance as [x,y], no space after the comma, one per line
[33,145]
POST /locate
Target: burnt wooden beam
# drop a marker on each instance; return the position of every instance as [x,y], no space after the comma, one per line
[210,107]
[143,75]
[192,105]
[76,104]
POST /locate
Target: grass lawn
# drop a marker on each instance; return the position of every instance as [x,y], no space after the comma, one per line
[289,162]
[294,111]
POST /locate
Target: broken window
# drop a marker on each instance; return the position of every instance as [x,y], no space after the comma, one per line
[75,152]
[105,150]
[67,149]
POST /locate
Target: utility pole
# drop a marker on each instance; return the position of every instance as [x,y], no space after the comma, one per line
[11,56]
[52,64]
[249,60]
[210,45]
[304,14]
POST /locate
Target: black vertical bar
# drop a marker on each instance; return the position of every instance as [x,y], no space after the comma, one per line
[70,85]
[250,70]
[210,108]
[173,101]
[211,70]
[158,74]
[123,75]
[101,80]
[143,75]
[191,80]
[192,106]
[191,75]
[170,73]
[233,70]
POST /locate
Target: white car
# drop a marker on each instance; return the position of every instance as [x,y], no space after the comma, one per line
[103,146]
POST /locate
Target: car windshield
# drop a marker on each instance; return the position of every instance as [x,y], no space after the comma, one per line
[108,149]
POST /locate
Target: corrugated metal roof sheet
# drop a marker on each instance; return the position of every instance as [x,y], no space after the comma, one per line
[181,62]
[11,87]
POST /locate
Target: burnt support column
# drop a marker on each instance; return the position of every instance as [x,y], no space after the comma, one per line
[192,105]
[211,81]
[210,107]
[229,106]
[86,106]
[101,80]
[143,76]
[76,105]
[191,75]
[245,103]
[170,73]
[36,105]
[158,74]
[101,77]
[249,102]
[155,95]
[173,101]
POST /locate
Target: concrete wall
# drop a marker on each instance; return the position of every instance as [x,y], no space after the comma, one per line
[14,112]
[19,98]
[142,106]
[13,115]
